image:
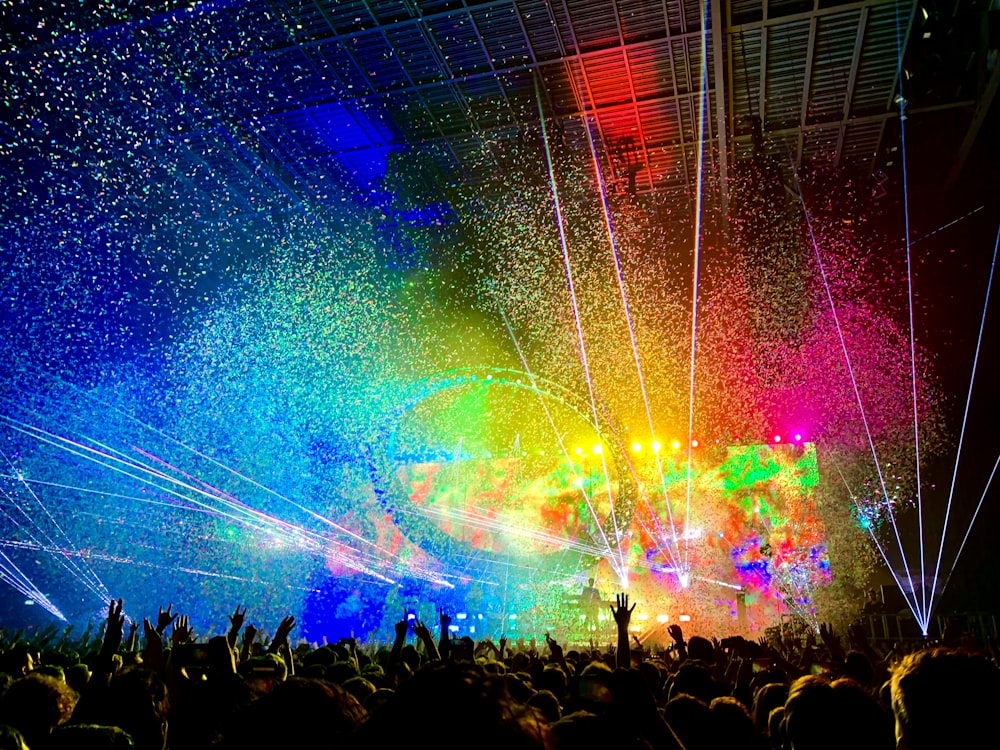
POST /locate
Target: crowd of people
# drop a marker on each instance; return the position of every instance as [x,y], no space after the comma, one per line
[241,690]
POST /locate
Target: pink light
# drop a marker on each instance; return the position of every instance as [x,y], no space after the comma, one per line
[798,437]
[777,438]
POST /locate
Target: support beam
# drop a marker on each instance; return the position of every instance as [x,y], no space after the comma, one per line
[806,88]
[852,81]
[983,105]
[720,108]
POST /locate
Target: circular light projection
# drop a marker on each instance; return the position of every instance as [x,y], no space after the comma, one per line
[543,497]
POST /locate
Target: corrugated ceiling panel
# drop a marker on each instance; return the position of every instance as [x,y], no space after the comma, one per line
[411,116]
[651,73]
[641,19]
[339,56]
[541,31]
[820,145]
[594,24]
[348,16]
[391,11]
[519,88]
[674,10]
[745,11]
[607,79]
[412,46]
[329,74]
[502,34]
[693,15]
[786,61]
[835,37]
[260,27]
[560,89]
[307,21]
[446,110]
[746,77]
[458,39]
[877,68]
[860,142]
[381,67]
[659,123]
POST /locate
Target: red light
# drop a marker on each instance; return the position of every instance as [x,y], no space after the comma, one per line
[777,438]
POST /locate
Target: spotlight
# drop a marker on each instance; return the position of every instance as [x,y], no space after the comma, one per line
[655,445]
[685,618]
[636,447]
[798,437]
[597,449]
[676,444]
[777,438]
[578,451]
[694,443]
[662,618]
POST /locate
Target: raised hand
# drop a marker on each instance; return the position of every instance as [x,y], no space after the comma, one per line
[236,618]
[152,654]
[622,613]
[831,640]
[554,648]
[445,621]
[163,619]
[281,634]
[421,631]
[676,633]
[181,632]
[502,643]
[401,627]
[115,628]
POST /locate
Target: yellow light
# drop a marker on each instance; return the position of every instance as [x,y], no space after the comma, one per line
[597,449]
[685,618]
[578,451]
[662,618]
[636,447]
[694,443]
[676,444]
[655,446]
[642,616]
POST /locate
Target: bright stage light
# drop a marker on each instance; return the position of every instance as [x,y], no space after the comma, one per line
[512,617]
[461,616]
[597,449]
[655,446]
[798,437]
[642,616]
[578,451]
[777,438]
[694,443]
[685,618]
[676,444]
[662,618]
[636,447]
[684,579]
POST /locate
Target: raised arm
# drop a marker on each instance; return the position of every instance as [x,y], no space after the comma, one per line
[623,616]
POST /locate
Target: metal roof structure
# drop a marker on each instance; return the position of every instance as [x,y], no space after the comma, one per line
[289,98]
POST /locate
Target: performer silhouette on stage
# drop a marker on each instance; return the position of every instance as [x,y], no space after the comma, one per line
[590,603]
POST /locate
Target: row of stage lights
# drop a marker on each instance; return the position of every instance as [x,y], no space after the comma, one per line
[654,447]
[468,624]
